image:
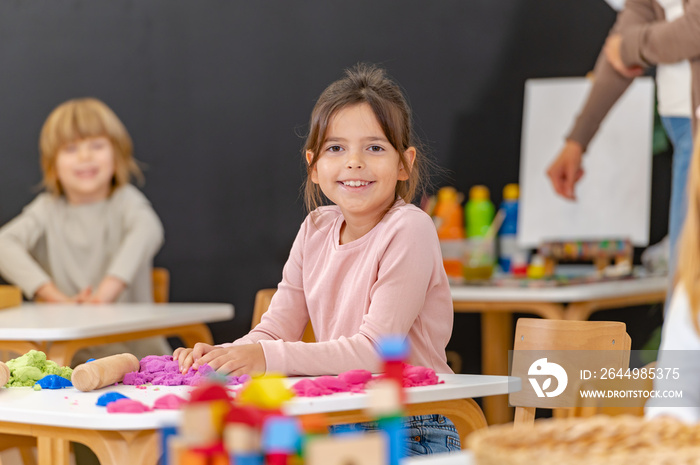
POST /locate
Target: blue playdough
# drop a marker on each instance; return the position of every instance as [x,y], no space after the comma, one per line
[54,382]
[109,397]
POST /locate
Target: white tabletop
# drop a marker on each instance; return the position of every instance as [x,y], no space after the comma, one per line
[61,322]
[454,387]
[463,457]
[560,294]
[76,409]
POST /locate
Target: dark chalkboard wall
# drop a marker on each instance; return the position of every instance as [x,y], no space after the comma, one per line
[217,93]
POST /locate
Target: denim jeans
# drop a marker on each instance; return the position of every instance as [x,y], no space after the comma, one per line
[424,434]
[680,132]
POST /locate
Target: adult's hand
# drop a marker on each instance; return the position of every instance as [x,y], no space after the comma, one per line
[565,171]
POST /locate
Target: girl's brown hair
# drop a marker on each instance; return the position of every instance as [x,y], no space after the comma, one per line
[80,119]
[688,250]
[369,84]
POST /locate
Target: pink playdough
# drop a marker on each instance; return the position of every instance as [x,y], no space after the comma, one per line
[127,406]
[357,381]
[168,402]
[418,376]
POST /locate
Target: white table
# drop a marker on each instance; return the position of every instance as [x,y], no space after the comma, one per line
[463,457]
[61,330]
[55,417]
[573,302]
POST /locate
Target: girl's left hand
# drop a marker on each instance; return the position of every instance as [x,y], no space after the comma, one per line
[236,360]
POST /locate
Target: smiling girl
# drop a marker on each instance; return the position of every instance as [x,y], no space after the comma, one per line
[91,237]
[367,266]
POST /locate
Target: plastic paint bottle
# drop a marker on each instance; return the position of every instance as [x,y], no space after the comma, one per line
[507,235]
[478,258]
[479,211]
[450,229]
[448,214]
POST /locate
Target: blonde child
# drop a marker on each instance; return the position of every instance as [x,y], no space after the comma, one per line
[91,237]
[678,365]
[367,266]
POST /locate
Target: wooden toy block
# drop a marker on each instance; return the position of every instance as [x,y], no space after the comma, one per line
[219,458]
[10,296]
[384,398]
[198,425]
[347,449]
[241,438]
[268,392]
[176,446]
[189,457]
[103,372]
[314,423]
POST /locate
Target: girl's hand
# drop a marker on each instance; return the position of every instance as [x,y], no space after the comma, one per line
[236,360]
[186,357]
[108,291]
[83,296]
[49,293]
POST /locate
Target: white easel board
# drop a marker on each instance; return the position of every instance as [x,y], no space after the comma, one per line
[614,195]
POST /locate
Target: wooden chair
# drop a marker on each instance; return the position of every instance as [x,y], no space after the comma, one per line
[466,414]
[262,301]
[161,285]
[10,296]
[611,407]
[576,337]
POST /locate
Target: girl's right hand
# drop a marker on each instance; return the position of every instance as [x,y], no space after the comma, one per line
[49,293]
[186,357]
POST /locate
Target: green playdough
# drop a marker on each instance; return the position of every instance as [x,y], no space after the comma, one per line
[31,367]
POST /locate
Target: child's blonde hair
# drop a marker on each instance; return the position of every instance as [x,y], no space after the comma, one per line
[369,84]
[688,272]
[80,119]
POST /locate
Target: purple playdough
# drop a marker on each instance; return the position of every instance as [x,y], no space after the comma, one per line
[162,370]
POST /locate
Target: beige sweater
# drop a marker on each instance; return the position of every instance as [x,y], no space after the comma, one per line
[76,246]
[647,39]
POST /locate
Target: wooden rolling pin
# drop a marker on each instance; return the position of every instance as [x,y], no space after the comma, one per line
[104,371]
[4,374]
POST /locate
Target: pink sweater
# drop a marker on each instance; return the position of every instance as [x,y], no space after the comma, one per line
[390,281]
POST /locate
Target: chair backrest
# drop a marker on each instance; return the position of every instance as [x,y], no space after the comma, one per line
[161,285]
[571,343]
[262,301]
[10,296]
[605,406]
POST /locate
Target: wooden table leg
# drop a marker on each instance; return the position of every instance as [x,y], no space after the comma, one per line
[123,447]
[53,451]
[111,447]
[496,338]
